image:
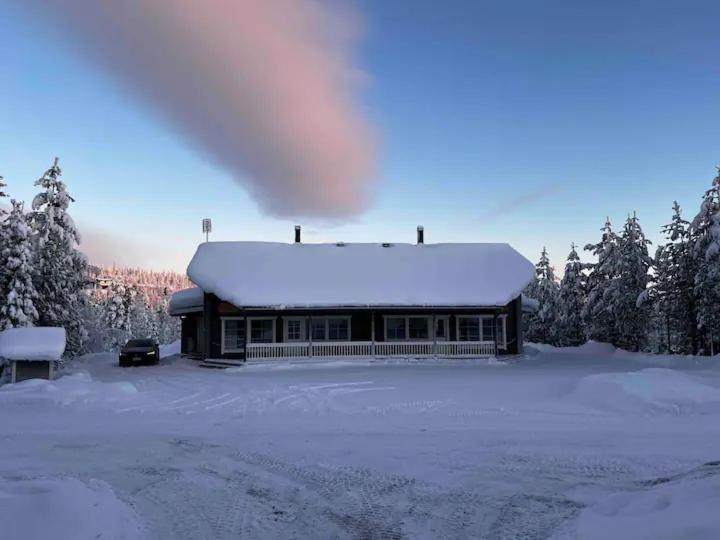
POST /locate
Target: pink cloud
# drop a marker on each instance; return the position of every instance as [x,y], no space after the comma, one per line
[265,88]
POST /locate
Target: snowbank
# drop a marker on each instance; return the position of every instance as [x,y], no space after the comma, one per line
[591,348]
[171,349]
[683,510]
[65,508]
[78,387]
[647,390]
[38,343]
[273,274]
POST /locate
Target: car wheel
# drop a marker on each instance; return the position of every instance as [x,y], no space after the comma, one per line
[122,363]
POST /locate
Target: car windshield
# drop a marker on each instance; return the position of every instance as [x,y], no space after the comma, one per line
[140,343]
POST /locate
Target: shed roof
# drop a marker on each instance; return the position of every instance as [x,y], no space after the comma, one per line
[280,275]
[35,343]
[186,301]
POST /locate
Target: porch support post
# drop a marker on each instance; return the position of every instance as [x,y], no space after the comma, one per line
[310,342]
[495,332]
[434,334]
[246,332]
[372,333]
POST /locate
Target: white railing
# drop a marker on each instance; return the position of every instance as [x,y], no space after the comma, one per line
[367,349]
[410,349]
[467,349]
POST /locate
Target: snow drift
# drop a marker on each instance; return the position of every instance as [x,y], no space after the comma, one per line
[65,508]
[648,390]
[673,508]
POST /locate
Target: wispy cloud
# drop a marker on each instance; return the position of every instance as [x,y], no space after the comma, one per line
[520,201]
[268,89]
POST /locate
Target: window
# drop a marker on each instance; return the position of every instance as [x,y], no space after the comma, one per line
[395,328]
[262,330]
[468,329]
[233,334]
[295,329]
[331,329]
[441,329]
[338,329]
[418,327]
[482,328]
[318,330]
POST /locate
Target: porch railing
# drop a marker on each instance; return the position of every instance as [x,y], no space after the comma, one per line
[368,349]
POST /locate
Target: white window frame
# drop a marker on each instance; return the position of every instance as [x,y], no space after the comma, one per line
[303,329]
[502,317]
[428,318]
[274,329]
[223,349]
[326,320]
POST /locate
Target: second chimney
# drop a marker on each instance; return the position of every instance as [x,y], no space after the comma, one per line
[297,234]
[420,235]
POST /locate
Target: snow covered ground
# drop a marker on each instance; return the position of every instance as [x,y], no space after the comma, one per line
[583,443]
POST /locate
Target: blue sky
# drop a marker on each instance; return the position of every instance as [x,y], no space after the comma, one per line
[525,122]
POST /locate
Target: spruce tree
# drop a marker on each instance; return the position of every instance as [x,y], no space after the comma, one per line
[570,301]
[672,293]
[61,270]
[18,306]
[118,315]
[630,265]
[597,313]
[540,326]
[705,239]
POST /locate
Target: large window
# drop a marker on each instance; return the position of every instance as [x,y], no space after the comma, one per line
[262,330]
[418,328]
[482,328]
[395,328]
[338,329]
[233,335]
[321,329]
[468,328]
[295,329]
[415,328]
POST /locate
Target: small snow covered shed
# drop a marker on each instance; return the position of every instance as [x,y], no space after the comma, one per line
[32,352]
[258,300]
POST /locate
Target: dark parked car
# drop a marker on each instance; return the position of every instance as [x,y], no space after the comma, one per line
[139,351]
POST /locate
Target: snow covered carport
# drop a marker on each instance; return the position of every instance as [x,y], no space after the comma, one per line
[32,352]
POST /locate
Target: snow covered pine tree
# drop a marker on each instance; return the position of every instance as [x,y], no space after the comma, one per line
[540,326]
[672,293]
[598,317]
[61,270]
[117,315]
[570,301]
[631,268]
[18,306]
[705,239]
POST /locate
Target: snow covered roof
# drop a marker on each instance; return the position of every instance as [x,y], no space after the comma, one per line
[37,343]
[529,305]
[186,301]
[279,275]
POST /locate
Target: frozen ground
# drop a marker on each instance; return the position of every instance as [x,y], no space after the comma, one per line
[585,443]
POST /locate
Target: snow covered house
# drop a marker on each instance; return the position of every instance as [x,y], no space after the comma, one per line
[262,300]
[32,352]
